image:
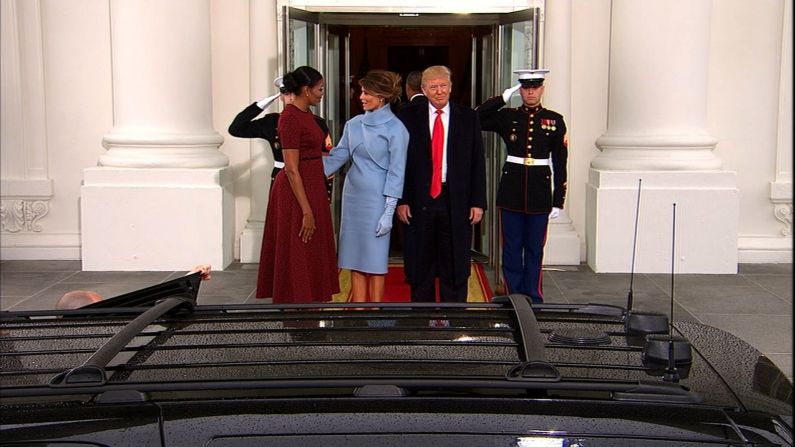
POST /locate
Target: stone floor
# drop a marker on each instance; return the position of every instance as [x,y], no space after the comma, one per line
[754,304]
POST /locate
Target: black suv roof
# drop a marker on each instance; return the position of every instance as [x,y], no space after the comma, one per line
[507,358]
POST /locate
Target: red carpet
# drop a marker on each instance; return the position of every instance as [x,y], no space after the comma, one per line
[396,290]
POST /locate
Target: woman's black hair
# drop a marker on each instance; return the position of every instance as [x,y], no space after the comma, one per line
[304,76]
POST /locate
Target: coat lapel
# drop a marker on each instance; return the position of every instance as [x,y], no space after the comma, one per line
[451,136]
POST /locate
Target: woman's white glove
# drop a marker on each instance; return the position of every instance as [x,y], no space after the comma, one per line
[508,92]
[264,103]
[555,213]
[385,222]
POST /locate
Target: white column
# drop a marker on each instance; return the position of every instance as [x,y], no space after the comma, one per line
[659,57]
[263,69]
[563,244]
[161,199]
[659,61]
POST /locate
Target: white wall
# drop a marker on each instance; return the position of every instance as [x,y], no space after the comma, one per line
[230,65]
[743,107]
[743,104]
[78,105]
[588,121]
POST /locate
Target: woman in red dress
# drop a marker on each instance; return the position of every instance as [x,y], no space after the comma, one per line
[298,262]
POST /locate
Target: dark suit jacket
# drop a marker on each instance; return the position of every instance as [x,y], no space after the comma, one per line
[418,99]
[466,180]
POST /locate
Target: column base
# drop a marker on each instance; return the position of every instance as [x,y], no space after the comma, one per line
[707,219]
[765,250]
[156,219]
[563,244]
[251,242]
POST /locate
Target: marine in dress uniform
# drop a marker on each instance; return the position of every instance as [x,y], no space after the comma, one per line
[246,126]
[536,143]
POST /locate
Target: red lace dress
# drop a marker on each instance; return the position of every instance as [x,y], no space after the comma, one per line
[290,270]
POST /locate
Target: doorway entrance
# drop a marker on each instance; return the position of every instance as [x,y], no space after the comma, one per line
[481,50]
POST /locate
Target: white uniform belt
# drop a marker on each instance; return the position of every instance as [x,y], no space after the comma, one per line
[527,161]
[278,164]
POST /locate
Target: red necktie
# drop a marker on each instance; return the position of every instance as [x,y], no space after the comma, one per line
[437,148]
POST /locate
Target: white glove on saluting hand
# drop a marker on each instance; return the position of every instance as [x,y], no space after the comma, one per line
[385,222]
[555,213]
[508,92]
[264,103]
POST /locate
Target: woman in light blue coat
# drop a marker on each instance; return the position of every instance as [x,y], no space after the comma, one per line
[376,145]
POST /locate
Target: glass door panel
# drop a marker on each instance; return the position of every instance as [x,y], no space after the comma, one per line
[483,74]
[300,38]
[337,84]
[519,47]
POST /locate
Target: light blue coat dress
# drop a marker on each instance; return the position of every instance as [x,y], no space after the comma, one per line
[376,144]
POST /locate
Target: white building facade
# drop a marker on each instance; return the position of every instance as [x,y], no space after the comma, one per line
[115,150]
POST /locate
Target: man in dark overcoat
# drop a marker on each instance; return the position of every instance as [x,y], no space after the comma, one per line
[444,191]
[537,151]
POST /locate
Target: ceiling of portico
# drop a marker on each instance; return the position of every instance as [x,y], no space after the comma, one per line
[414,6]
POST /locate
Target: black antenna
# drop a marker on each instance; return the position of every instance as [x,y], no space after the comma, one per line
[671,373]
[634,246]
[639,323]
[668,351]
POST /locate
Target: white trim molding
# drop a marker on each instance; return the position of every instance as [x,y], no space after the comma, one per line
[40,246]
[781,188]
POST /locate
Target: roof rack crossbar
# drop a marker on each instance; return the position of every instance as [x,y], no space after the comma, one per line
[530,335]
[92,371]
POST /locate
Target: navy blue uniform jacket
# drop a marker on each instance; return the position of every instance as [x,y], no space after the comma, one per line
[537,133]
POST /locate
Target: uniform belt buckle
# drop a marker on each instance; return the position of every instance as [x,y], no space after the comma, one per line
[528,161]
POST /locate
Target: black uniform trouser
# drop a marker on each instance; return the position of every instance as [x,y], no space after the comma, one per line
[435,257]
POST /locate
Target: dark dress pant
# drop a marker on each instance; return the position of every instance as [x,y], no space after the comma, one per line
[435,259]
[523,239]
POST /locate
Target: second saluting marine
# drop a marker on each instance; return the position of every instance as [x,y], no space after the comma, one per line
[535,139]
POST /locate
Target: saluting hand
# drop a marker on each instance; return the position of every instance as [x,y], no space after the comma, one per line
[508,92]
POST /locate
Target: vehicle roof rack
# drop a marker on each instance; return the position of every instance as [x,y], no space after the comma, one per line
[535,366]
[185,286]
[92,371]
